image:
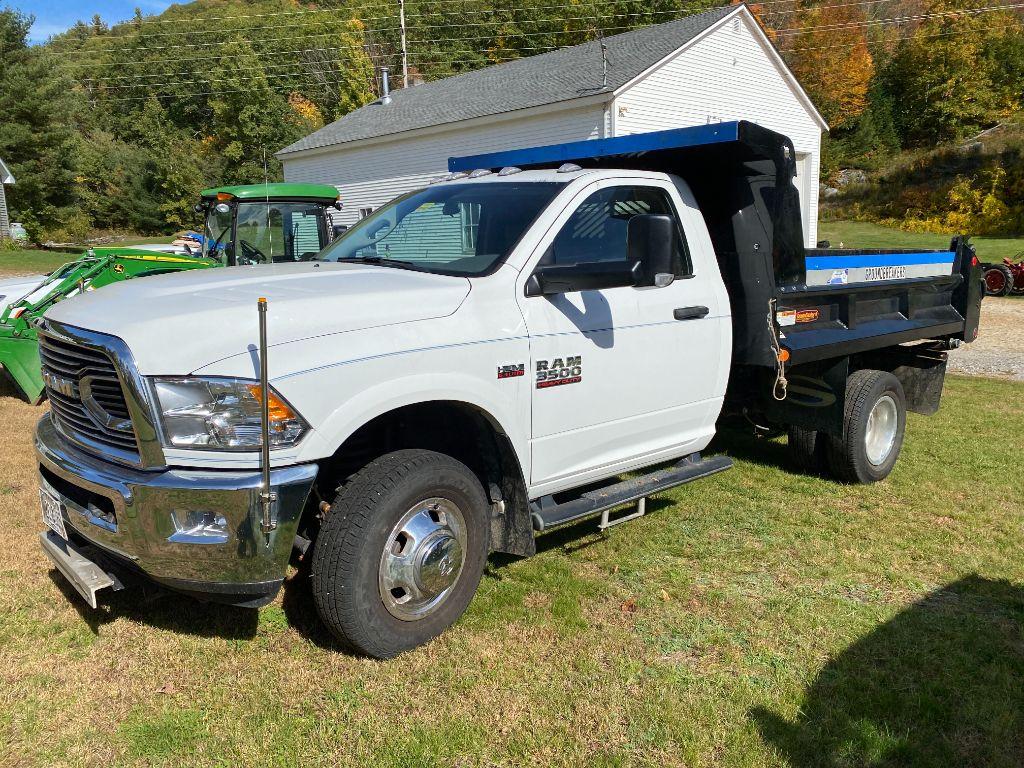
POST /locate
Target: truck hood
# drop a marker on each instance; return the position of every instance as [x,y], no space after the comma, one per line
[174,324]
[14,288]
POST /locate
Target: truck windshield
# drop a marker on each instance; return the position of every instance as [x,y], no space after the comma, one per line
[454,229]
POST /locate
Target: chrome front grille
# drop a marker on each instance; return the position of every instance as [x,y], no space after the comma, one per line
[86,397]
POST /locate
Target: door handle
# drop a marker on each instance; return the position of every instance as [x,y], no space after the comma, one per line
[689,313]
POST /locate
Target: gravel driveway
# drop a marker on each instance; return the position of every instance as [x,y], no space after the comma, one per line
[999,348]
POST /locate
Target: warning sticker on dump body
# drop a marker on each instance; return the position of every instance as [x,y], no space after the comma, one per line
[794,316]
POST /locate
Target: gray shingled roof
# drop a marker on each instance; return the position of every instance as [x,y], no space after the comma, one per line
[547,78]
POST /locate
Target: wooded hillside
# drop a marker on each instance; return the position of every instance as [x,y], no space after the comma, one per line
[119,127]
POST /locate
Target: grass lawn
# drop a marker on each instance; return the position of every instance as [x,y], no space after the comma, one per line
[32,260]
[862,234]
[757,618]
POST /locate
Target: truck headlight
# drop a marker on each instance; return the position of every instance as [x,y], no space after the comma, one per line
[221,414]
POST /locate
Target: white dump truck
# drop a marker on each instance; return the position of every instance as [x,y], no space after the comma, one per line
[473,364]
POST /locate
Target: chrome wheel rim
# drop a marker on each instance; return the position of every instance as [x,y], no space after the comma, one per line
[880,434]
[422,559]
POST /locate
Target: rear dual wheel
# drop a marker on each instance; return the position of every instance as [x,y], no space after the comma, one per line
[401,553]
[874,424]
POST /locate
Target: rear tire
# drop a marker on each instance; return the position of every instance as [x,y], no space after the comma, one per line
[998,280]
[400,555]
[806,450]
[874,423]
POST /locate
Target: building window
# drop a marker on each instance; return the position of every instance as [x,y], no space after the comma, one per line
[470,215]
[364,212]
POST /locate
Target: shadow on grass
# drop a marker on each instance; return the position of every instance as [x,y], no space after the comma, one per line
[149,604]
[9,389]
[941,684]
[742,444]
[300,610]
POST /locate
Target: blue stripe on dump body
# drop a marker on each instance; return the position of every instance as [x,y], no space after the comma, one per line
[715,133]
[879,260]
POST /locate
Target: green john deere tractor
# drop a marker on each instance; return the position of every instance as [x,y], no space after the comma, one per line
[252,224]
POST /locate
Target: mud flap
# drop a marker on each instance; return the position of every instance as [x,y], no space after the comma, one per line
[816,397]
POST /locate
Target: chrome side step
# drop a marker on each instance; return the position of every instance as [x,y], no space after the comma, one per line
[545,513]
[85,575]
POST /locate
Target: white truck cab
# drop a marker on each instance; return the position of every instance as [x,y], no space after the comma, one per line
[446,380]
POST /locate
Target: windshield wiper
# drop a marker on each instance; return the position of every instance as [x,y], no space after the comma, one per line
[216,243]
[381,260]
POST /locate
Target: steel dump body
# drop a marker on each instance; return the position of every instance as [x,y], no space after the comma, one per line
[841,302]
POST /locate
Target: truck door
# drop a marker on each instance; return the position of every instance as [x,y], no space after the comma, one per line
[622,376]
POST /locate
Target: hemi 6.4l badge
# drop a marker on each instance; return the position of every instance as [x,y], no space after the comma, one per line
[554,373]
[511,371]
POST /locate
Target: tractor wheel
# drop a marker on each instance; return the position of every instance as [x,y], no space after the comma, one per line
[1017,272]
[998,280]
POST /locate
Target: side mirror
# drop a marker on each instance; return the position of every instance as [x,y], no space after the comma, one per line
[651,247]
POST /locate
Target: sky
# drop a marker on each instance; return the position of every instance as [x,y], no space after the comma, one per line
[53,16]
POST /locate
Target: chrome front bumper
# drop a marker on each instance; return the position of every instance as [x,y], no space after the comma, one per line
[141,519]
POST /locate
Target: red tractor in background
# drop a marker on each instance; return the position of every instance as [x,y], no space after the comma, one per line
[1005,278]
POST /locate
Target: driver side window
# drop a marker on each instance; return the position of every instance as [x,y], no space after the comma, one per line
[596,231]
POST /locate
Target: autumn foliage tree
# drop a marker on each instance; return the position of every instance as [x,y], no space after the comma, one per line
[830,57]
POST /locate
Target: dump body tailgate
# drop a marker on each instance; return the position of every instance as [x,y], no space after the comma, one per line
[853,301]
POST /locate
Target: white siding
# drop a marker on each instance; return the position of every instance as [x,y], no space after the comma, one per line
[374,173]
[5,224]
[729,74]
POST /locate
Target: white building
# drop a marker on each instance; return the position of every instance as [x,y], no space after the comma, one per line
[705,68]
[6,179]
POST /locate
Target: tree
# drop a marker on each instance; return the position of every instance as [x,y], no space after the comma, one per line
[36,133]
[832,61]
[941,76]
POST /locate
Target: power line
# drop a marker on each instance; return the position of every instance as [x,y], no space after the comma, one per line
[327,81]
[348,21]
[898,38]
[514,35]
[903,19]
[203,19]
[219,56]
[298,68]
[192,46]
[193,73]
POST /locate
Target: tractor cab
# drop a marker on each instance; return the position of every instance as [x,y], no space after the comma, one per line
[267,223]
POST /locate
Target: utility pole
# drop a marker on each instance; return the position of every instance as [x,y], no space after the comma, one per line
[405,50]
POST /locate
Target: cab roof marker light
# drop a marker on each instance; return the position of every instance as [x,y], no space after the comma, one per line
[456,175]
[480,172]
[569,168]
[508,170]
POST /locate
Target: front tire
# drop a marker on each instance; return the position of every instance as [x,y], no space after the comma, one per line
[874,423]
[401,553]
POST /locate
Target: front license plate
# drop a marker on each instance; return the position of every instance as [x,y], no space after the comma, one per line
[53,512]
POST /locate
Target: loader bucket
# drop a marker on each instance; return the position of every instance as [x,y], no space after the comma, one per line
[19,357]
